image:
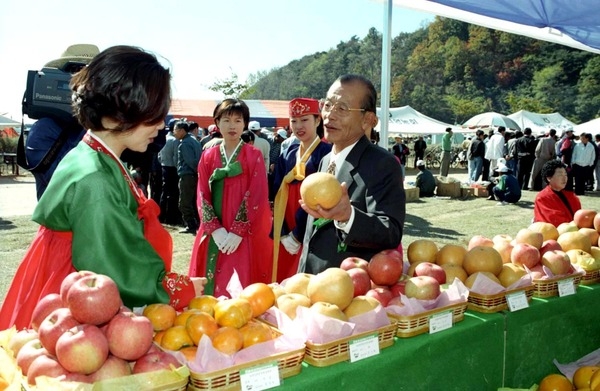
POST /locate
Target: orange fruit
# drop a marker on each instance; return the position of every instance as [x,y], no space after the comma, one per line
[255,332]
[204,303]
[176,338]
[189,352]
[228,340]
[199,324]
[583,375]
[161,315]
[555,382]
[321,188]
[260,296]
[595,381]
[182,318]
[3,384]
[158,336]
[233,312]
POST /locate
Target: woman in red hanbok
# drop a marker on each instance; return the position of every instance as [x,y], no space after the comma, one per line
[298,161]
[233,206]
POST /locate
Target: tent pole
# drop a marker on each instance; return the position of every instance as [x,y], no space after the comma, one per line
[386,50]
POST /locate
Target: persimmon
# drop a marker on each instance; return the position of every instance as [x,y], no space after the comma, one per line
[255,332]
[161,315]
[260,296]
[583,376]
[204,303]
[228,340]
[555,382]
[182,318]
[175,338]
[189,352]
[233,312]
[200,324]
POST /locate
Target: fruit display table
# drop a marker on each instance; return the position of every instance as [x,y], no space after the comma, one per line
[562,328]
[467,356]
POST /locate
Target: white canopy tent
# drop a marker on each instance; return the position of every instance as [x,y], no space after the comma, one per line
[541,123]
[592,127]
[406,120]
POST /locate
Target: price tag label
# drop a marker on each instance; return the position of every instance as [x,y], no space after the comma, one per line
[260,377]
[517,301]
[566,287]
[439,322]
[364,347]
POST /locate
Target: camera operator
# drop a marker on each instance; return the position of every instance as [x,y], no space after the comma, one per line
[51,137]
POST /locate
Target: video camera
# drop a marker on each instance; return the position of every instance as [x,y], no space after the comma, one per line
[48,93]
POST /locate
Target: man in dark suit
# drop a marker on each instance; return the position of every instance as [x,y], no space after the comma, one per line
[370,215]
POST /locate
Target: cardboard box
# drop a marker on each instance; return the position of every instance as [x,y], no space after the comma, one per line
[481,192]
[467,192]
[448,189]
[412,194]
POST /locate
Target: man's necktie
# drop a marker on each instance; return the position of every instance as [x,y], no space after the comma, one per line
[331,168]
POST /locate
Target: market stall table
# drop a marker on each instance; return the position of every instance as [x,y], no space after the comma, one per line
[562,328]
[469,356]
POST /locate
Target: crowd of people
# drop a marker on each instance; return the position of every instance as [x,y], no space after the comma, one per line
[238,190]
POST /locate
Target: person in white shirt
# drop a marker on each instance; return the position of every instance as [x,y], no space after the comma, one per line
[260,143]
[494,148]
[582,162]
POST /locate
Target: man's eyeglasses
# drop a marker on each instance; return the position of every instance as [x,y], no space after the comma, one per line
[340,108]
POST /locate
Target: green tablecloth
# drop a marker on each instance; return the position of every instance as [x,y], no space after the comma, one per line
[562,328]
[466,357]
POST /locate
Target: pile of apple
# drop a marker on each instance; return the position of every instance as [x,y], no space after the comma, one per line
[228,323]
[85,334]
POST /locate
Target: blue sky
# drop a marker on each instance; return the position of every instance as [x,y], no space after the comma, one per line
[200,40]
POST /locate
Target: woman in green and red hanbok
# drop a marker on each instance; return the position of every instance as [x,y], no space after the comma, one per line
[234,207]
[92,215]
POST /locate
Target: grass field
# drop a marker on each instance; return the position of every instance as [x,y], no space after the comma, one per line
[441,220]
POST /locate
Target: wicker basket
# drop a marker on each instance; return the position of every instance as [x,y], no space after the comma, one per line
[497,302]
[549,287]
[591,277]
[289,363]
[411,325]
[325,354]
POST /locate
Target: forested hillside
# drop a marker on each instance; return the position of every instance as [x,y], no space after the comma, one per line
[451,70]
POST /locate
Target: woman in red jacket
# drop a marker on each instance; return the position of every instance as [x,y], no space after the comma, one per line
[554,204]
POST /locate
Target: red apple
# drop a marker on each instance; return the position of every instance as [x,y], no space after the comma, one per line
[431,270]
[55,324]
[480,240]
[45,365]
[112,367]
[154,362]
[29,352]
[20,338]
[557,261]
[129,335]
[422,288]
[524,254]
[354,262]
[537,272]
[398,288]
[584,218]
[68,281]
[79,377]
[385,267]
[94,299]
[549,245]
[382,294]
[361,280]
[44,307]
[82,349]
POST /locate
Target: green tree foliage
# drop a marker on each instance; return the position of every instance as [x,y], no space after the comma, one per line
[450,70]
